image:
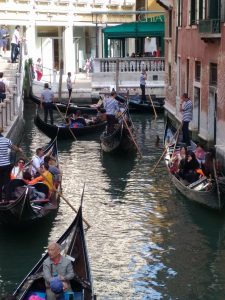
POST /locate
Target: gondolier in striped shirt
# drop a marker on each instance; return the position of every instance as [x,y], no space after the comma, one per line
[186,107]
[111,106]
[5,166]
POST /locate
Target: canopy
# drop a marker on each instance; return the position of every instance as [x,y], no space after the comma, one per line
[134,30]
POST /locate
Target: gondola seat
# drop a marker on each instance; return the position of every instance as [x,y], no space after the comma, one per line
[13,184]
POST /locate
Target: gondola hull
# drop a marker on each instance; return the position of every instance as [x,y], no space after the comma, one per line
[118,142]
[21,209]
[144,107]
[202,191]
[72,108]
[73,245]
[65,132]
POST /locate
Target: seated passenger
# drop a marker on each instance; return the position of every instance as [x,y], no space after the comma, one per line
[189,169]
[77,121]
[17,171]
[61,266]
[208,166]
[56,172]
[200,154]
[175,161]
[101,116]
[46,177]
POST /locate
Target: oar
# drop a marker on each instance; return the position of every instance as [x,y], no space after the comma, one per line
[153,106]
[164,152]
[217,184]
[58,192]
[131,135]
[68,106]
[65,121]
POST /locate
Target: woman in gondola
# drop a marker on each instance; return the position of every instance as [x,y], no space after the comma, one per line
[190,166]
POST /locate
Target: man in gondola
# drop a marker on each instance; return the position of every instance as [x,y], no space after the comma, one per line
[47,100]
[112,107]
[5,166]
[57,266]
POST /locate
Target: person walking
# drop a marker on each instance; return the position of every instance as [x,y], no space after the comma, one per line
[39,69]
[3,40]
[69,84]
[87,67]
[186,108]
[143,79]
[3,87]
[15,44]
[47,100]
[5,166]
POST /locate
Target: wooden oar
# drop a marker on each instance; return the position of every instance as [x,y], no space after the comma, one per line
[67,106]
[131,135]
[65,122]
[58,192]
[217,184]
[166,148]
[153,106]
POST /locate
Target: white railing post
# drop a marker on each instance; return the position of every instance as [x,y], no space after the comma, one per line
[11,107]
[7,103]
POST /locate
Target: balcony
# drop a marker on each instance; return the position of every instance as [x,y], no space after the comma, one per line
[209,30]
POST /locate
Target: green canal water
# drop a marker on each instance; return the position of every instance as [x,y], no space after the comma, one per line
[146,241]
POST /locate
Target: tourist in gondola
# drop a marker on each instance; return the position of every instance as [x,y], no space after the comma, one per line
[189,168]
[45,176]
[47,100]
[200,154]
[77,120]
[57,266]
[178,159]
[112,107]
[18,169]
[53,169]
[5,166]
[36,162]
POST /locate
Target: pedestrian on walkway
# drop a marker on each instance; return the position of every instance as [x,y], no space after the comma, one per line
[4,34]
[87,67]
[47,100]
[69,84]
[5,166]
[186,108]
[39,69]
[143,79]
[15,44]
[3,87]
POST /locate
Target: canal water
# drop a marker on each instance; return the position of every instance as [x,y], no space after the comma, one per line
[146,241]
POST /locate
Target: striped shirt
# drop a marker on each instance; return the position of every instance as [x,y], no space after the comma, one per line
[111,106]
[187,109]
[5,145]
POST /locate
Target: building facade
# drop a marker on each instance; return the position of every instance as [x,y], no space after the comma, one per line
[195,63]
[70,30]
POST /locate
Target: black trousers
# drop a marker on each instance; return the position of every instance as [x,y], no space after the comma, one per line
[5,172]
[14,52]
[70,92]
[111,121]
[48,109]
[143,97]
[185,130]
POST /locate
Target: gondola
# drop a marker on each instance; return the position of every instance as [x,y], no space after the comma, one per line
[74,247]
[120,140]
[202,191]
[64,132]
[72,108]
[137,105]
[18,208]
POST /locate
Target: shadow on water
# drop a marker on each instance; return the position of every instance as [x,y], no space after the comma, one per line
[20,250]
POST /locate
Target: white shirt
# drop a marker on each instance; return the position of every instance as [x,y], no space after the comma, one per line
[15,37]
[17,172]
[36,163]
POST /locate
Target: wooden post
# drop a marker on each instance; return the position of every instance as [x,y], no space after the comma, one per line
[117,75]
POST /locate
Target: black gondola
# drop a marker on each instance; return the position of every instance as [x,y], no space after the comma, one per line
[64,132]
[120,140]
[74,246]
[203,191]
[137,105]
[21,209]
[72,108]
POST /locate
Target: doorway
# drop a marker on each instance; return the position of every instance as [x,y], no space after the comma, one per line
[212,117]
[57,53]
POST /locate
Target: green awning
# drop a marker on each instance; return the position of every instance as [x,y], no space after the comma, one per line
[134,30]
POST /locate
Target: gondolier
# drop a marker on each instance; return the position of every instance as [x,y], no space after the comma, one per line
[5,166]
[186,108]
[47,100]
[112,107]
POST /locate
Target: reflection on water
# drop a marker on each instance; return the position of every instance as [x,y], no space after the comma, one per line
[145,242]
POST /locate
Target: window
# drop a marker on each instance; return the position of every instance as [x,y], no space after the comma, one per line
[179,13]
[193,12]
[198,10]
[213,74]
[197,71]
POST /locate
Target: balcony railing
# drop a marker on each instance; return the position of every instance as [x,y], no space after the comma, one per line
[210,27]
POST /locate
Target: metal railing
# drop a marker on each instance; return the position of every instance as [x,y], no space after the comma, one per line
[211,26]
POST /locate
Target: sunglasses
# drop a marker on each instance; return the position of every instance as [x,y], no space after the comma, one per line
[21,162]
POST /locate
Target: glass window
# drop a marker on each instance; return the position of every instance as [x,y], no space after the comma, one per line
[213,74]
[197,71]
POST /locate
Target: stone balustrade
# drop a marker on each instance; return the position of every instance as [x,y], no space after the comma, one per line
[8,110]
